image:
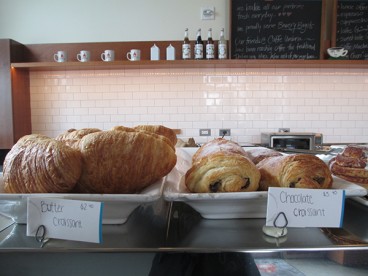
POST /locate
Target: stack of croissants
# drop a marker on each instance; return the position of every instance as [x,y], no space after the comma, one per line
[224,166]
[117,161]
[127,160]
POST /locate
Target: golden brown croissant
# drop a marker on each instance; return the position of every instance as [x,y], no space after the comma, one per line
[123,161]
[220,166]
[160,130]
[256,155]
[72,137]
[39,164]
[218,145]
[294,171]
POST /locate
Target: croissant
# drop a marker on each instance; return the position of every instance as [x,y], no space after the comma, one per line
[123,161]
[39,164]
[218,145]
[160,130]
[72,137]
[256,155]
[220,166]
[294,171]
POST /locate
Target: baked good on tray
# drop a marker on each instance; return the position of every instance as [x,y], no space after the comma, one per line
[39,164]
[123,161]
[256,155]
[351,164]
[160,130]
[294,171]
[221,166]
[73,136]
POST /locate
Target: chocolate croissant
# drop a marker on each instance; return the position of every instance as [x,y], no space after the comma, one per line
[39,164]
[220,166]
[294,171]
[256,155]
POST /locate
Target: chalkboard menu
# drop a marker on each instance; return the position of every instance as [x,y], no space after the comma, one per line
[276,29]
[352,28]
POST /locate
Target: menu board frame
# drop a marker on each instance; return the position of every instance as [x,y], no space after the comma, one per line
[334,28]
[319,53]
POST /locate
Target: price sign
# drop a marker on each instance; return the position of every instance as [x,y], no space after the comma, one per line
[65,219]
[305,207]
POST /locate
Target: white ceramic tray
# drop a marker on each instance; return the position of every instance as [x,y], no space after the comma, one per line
[117,207]
[228,205]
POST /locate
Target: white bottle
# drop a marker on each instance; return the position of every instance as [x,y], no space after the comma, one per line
[222,46]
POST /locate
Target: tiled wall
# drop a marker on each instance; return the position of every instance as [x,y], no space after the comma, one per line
[248,101]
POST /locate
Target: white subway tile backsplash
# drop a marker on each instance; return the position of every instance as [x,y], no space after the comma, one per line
[249,101]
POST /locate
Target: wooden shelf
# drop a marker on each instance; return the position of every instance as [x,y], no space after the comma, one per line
[165,64]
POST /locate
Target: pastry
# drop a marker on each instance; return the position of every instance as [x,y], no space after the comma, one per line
[160,130]
[221,166]
[72,137]
[350,165]
[218,145]
[256,155]
[294,171]
[39,164]
[123,161]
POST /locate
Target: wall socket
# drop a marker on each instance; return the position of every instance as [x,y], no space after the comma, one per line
[205,132]
[224,132]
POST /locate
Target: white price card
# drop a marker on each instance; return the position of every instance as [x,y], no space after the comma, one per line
[288,207]
[65,219]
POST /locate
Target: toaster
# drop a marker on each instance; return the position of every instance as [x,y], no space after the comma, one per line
[292,140]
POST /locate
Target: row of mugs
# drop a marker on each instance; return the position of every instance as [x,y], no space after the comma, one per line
[107,55]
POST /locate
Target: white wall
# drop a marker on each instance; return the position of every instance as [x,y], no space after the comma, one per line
[248,101]
[67,21]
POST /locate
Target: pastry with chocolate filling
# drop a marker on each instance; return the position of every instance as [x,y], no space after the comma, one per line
[256,155]
[220,166]
[294,171]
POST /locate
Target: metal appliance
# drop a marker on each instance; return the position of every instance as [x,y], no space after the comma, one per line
[292,140]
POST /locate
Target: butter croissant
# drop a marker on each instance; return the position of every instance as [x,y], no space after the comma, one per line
[294,171]
[123,161]
[39,164]
[220,166]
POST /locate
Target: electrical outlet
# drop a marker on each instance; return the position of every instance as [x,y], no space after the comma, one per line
[205,132]
[285,129]
[224,132]
[208,13]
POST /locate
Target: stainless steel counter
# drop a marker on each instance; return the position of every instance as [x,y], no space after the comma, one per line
[161,227]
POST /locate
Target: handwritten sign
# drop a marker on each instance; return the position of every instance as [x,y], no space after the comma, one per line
[65,219]
[305,207]
[276,29]
[352,27]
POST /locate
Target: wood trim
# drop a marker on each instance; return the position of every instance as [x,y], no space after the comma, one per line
[196,64]
[334,24]
[15,111]
[6,107]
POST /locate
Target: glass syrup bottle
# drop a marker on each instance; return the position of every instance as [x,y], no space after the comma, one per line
[210,46]
[186,49]
[222,46]
[198,47]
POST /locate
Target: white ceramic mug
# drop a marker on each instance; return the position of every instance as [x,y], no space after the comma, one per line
[84,56]
[108,55]
[336,52]
[134,55]
[60,56]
